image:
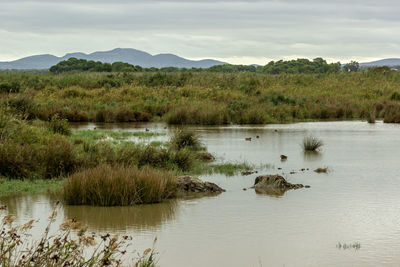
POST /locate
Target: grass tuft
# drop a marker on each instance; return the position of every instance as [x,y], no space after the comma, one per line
[312,143]
[185,139]
[107,185]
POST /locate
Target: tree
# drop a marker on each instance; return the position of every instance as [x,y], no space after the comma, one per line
[353,66]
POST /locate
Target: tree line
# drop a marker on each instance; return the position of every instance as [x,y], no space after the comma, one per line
[298,66]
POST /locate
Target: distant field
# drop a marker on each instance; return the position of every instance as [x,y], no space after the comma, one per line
[203,97]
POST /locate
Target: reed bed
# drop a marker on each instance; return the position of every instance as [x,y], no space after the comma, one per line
[203,98]
[107,185]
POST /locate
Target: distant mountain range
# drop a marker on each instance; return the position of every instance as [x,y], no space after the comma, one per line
[141,58]
[128,55]
[383,62]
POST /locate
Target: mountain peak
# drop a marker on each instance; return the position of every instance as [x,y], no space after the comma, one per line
[128,55]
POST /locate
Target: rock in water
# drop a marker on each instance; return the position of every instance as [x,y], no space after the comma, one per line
[321,170]
[274,185]
[189,184]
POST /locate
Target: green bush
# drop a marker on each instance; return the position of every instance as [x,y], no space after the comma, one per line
[59,126]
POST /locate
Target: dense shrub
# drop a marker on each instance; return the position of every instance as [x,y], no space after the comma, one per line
[59,126]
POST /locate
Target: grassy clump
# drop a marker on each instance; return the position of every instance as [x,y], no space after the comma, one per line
[391,113]
[68,246]
[371,118]
[59,126]
[312,143]
[118,186]
[186,139]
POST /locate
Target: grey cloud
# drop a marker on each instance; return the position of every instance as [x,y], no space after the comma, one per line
[224,29]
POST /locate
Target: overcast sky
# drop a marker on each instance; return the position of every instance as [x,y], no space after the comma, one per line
[247,31]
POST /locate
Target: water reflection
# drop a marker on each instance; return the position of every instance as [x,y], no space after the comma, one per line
[23,208]
[312,156]
[272,192]
[140,217]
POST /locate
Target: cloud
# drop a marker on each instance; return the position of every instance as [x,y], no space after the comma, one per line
[236,30]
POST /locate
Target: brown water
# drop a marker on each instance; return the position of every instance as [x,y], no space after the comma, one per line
[357,201]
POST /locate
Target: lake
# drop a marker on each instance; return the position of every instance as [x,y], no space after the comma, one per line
[355,202]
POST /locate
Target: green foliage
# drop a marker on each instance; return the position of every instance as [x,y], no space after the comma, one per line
[395,96]
[59,126]
[9,87]
[318,65]
[208,98]
[74,64]
[22,187]
[353,66]
[232,68]
[183,138]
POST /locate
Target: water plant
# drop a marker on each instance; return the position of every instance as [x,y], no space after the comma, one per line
[371,117]
[206,97]
[185,139]
[311,143]
[59,126]
[344,246]
[118,185]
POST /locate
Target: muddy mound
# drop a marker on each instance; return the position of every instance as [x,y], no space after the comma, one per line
[274,184]
[189,184]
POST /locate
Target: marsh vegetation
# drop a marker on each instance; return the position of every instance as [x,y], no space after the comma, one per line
[206,98]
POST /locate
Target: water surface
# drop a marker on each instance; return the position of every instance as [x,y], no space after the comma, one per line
[357,201]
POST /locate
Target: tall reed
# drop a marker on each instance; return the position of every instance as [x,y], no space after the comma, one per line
[107,185]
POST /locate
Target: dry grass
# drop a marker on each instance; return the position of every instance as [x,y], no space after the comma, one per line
[69,246]
[107,185]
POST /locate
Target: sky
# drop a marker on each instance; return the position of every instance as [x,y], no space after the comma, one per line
[238,32]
